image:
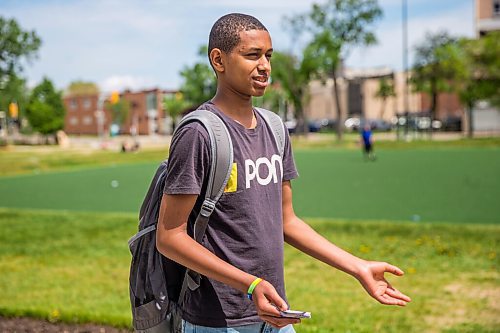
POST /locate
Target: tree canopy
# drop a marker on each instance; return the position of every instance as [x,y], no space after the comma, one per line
[199,81]
[432,72]
[82,88]
[336,27]
[16,45]
[45,110]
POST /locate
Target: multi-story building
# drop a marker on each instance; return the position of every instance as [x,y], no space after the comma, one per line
[92,115]
[487,16]
[84,115]
[485,117]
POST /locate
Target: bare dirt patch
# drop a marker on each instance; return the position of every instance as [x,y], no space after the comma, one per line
[30,325]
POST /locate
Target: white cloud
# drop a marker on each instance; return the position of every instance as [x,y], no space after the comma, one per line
[122,82]
[144,43]
[389,50]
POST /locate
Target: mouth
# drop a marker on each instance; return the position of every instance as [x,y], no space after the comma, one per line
[261,80]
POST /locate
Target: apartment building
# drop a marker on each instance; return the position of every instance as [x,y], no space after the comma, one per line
[487,16]
[91,114]
[358,96]
[485,117]
[84,115]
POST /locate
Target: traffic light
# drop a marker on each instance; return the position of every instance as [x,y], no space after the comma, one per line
[13,110]
[115,97]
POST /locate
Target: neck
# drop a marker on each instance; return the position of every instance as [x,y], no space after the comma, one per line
[236,106]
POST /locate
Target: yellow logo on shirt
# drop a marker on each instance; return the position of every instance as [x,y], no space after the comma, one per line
[232,183]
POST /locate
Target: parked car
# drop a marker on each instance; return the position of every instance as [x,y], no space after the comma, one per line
[452,124]
[380,125]
[352,124]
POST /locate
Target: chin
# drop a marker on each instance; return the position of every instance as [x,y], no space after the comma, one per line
[259,93]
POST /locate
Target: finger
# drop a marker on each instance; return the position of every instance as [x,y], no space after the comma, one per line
[268,309]
[388,300]
[275,303]
[397,294]
[393,269]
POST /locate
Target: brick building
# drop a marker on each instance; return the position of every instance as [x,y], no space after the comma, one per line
[91,115]
[82,115]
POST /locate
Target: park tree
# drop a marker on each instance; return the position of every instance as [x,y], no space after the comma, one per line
[45,111]
[16,45]
[336,27]
[385,90]
[13,91]
[199,81]
[119,107]
[432,73]
[82,88]
[293,75]
[274,99]
[175,105]
[476,71]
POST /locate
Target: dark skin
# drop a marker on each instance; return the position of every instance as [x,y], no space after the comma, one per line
[241,74]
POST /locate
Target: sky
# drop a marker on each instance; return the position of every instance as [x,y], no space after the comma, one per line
[144,44]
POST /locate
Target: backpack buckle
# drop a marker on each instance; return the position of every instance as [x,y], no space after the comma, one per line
[207,207]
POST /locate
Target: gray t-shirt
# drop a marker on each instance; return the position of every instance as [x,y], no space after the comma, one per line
[246,228]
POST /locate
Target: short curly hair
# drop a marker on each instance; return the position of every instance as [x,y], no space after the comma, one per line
[225,33]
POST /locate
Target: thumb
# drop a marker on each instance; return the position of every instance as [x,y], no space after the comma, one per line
[394,270]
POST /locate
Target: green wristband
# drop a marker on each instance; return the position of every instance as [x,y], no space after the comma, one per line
[252,287]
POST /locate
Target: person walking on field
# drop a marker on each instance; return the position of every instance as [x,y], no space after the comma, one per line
[241,256]
[367,141]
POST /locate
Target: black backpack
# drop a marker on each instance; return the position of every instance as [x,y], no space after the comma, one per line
[158,284]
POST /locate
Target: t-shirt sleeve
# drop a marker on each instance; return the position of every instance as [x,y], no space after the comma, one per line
[189,160]
[289,168]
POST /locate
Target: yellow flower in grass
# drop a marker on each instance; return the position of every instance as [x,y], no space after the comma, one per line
[54,316]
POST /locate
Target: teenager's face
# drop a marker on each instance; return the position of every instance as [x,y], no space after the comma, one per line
[248,65]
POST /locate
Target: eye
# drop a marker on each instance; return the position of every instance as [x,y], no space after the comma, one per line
[269,55]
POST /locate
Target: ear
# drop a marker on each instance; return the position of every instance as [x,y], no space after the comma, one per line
[217,58]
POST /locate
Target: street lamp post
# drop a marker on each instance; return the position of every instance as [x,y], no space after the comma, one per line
[406,103]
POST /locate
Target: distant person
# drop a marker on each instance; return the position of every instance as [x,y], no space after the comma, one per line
[367,141]
[241,257]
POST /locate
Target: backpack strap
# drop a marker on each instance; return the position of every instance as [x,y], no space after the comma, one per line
[221,149]
[276,125]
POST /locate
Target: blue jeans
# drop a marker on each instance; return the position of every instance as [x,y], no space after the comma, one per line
[254,328]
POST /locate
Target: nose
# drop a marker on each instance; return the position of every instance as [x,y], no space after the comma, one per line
[264,64]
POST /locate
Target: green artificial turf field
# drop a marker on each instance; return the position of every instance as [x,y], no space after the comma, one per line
[444,184]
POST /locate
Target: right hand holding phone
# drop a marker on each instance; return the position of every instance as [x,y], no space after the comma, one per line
[269,304]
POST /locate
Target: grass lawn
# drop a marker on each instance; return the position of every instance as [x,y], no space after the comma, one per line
[69,261]
[73,267]
[441,184]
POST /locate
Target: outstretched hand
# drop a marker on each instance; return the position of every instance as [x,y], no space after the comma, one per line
[372,279]
[268,304]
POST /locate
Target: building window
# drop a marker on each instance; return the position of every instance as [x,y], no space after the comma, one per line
[73,121]
[73,104]
[87,103]
[496,7]
[87,120]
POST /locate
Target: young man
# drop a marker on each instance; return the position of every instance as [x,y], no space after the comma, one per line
[245,237]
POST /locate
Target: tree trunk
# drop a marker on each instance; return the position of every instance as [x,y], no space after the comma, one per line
[337,104]
[301,126]
[470,132]
[382,109]
[434,104]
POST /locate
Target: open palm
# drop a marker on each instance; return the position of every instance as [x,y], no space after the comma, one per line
[373,280]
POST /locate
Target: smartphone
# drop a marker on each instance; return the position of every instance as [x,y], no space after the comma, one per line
[295,314]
